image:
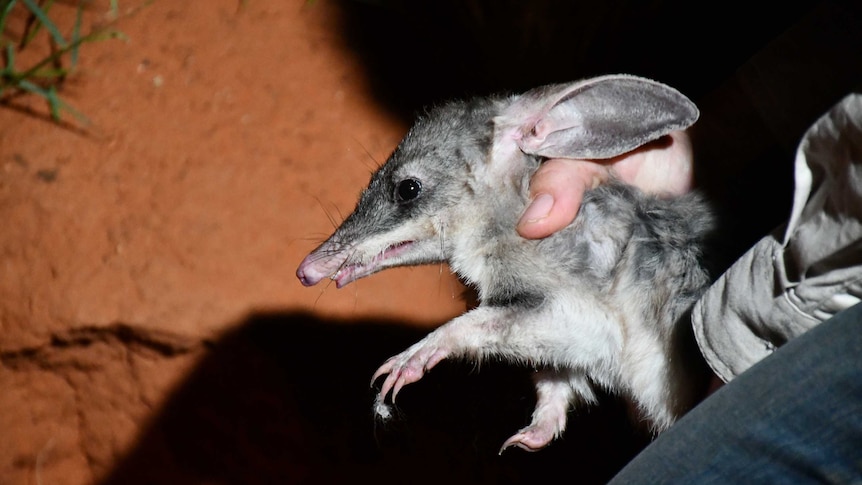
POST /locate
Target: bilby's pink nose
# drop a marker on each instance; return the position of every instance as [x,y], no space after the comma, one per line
[307,273]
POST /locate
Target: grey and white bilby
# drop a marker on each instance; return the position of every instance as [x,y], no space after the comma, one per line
[603,302]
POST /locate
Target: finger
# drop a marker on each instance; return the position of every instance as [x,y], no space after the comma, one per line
[663,167]
[557,189]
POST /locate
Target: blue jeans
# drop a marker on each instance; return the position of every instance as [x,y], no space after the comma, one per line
[795,417]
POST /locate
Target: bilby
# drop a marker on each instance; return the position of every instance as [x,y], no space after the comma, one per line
[603,302]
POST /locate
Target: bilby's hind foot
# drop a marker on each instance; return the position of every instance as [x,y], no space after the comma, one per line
[556,391]
[533,437]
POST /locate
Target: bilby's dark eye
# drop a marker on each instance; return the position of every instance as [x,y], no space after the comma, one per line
[407,190]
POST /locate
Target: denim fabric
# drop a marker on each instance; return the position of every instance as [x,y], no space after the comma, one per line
[794,417]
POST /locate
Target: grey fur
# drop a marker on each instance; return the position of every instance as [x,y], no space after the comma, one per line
[603,302]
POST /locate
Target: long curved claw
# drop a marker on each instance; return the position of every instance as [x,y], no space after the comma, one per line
[529,439]
[386,368]
[403,374]
[389,383]
[407,368]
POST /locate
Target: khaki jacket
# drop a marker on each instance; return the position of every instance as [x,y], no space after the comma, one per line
[806,270]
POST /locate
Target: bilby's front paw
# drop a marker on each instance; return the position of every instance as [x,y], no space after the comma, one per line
[406,368]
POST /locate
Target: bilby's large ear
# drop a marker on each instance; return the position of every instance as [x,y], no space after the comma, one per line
[596,118]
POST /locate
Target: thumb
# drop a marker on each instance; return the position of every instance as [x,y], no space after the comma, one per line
[557,189]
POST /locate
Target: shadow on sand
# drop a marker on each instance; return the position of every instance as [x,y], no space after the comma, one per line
[285,398]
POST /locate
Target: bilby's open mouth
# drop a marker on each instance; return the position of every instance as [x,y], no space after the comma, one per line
[352,272]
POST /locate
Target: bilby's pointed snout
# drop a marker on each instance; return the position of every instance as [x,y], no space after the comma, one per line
[313,269]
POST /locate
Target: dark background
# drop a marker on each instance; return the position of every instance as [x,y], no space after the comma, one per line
[420,52]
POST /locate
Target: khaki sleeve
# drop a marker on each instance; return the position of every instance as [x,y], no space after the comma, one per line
[804,272]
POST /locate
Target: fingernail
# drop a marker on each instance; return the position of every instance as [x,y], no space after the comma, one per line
[538,209]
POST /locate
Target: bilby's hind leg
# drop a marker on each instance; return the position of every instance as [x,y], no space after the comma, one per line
[556,392]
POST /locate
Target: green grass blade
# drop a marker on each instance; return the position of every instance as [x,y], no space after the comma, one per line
[9,68]
[58,104]
[46,22]
[43,78]
[75,113]
[107,35]
[7,7]
[92,37]
[37,26]
[33,88]
[53,102]
[76,36]
[53,73]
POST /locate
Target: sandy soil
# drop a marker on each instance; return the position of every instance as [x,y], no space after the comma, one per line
[223,140]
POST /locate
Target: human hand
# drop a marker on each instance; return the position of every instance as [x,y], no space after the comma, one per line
[661,167]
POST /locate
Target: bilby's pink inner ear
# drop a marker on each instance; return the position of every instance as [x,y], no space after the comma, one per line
[599,118]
